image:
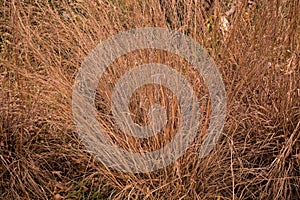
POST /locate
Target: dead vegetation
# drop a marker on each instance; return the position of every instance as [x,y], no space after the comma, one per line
[43,44]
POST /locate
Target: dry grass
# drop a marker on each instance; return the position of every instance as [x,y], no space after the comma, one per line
[42,46]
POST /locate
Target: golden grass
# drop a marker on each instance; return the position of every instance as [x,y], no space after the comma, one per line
[43,44]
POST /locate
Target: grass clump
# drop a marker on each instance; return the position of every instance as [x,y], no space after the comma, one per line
[43,44]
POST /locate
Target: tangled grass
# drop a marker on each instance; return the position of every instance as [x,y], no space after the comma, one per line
[43,44]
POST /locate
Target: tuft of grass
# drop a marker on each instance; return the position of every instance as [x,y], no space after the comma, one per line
[42,46]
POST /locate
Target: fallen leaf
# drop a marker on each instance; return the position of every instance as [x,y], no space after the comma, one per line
[58,196]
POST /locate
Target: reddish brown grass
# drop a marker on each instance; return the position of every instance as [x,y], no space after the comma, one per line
[43,44]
